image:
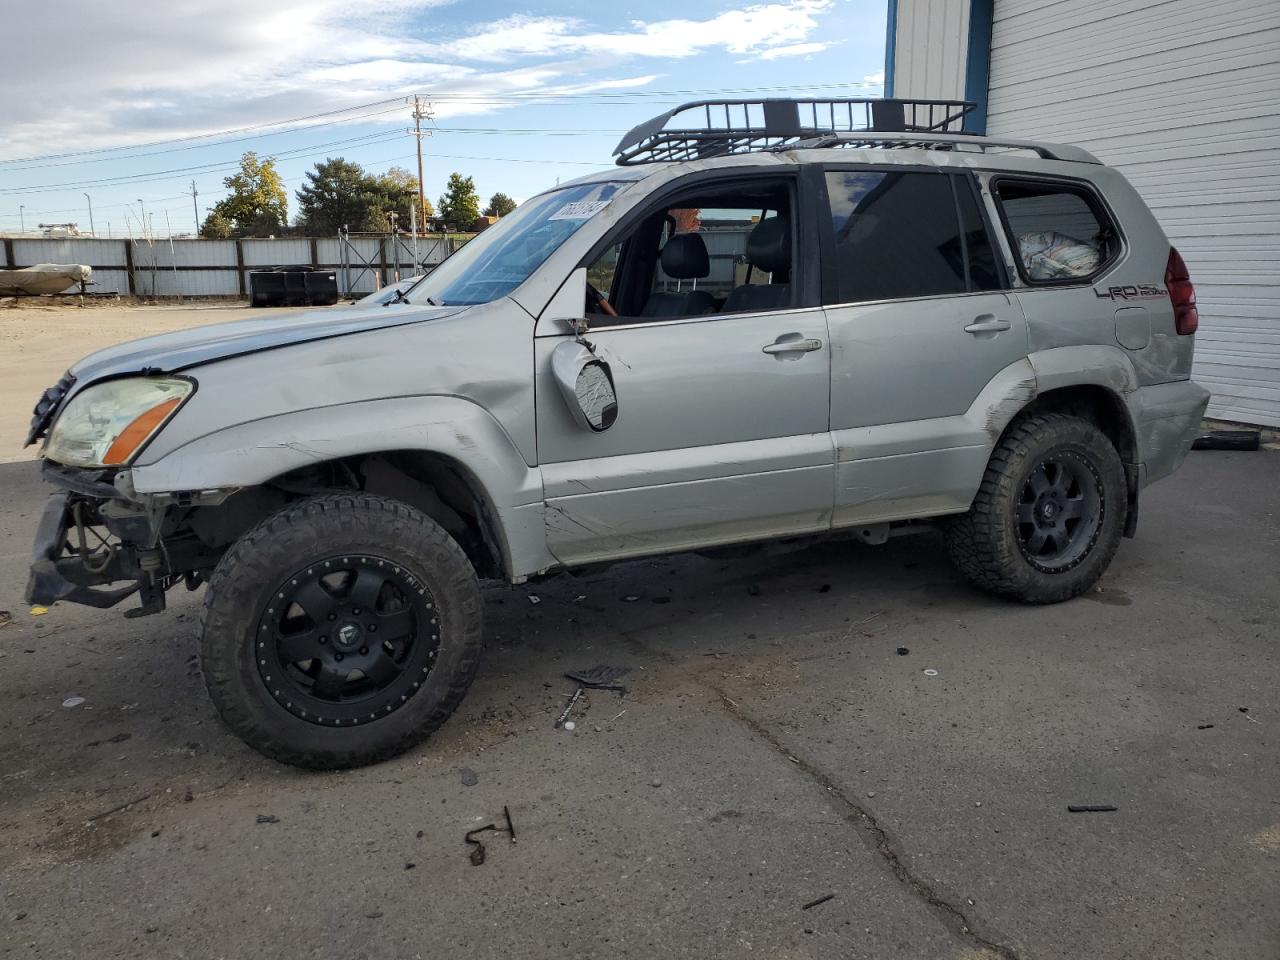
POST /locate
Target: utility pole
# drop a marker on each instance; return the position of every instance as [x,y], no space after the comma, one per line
[421,111]
[22,213]
[195,211]
[90,200]
[142,220]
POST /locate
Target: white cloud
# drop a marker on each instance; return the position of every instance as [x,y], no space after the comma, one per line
[190,68]
[875,78]
[794,50]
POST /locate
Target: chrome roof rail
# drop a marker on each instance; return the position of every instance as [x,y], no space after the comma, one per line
[961,143]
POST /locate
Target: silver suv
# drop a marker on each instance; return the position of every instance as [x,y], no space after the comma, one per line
[771,319]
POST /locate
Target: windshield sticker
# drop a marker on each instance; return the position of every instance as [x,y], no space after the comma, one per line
[579,210]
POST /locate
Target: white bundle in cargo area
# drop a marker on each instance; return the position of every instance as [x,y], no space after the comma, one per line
[43,278]
[1050,255]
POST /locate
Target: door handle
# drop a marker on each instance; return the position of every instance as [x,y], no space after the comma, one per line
[987,323]
[792,343]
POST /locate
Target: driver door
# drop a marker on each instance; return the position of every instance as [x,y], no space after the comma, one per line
[721,432]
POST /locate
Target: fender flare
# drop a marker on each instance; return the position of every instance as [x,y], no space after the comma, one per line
[252,453]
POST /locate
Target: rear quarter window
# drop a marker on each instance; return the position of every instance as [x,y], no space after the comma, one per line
[1060,233]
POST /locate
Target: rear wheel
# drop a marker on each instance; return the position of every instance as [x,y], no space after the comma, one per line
[1049,514]
[341,631]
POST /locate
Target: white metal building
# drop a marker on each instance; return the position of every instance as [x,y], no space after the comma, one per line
[1183,96]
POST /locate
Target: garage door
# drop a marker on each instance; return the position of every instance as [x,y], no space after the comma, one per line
[1184,98]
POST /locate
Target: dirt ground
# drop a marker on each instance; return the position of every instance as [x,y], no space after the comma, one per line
[40,339]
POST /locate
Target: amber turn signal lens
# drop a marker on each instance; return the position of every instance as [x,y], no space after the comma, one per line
[137,432]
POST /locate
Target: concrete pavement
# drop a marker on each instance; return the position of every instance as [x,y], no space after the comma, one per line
[774,748]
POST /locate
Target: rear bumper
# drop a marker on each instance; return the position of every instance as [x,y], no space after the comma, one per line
[1167,421]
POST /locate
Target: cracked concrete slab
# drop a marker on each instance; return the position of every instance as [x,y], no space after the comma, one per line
[769,704]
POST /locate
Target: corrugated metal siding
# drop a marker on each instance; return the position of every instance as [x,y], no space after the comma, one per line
[1183,97]
[276,253]
[110,281]
[91,252]
[932,44]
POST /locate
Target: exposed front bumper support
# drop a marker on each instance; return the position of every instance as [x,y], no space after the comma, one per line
[56,577]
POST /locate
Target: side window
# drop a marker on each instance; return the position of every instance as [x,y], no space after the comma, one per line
[1059,232]
[896,236]
[723,232]
[718,249]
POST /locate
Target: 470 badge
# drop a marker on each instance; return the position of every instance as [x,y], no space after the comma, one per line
[1140,291]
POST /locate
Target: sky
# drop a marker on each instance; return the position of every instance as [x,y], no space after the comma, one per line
[129,106]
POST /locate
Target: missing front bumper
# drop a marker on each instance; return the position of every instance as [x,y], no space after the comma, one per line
[56,576]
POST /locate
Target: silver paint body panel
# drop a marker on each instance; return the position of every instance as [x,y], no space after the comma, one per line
[893,418]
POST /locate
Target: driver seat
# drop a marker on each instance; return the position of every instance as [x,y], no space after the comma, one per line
[684,257]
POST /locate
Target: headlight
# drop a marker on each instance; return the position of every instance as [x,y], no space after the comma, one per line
[106,424]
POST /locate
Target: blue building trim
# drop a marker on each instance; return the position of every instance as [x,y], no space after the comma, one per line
[890,47]
[977,69]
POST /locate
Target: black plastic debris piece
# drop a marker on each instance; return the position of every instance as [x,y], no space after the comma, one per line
[903,651]
[477,854]
[1228,440]
[602,677]
[1091,808]
[1244,709]
[753,589]
[268,818]
[1205,726]
[825,588]
[818,902]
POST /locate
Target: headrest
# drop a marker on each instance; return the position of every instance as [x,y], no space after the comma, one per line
[685,257]
[769,245]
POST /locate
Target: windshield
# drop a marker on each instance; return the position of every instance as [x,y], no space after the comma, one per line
[500,259]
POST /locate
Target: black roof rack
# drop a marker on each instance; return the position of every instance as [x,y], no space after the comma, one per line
[717,128]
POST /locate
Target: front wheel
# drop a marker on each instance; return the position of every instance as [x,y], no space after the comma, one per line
[340,631]
[1049,514]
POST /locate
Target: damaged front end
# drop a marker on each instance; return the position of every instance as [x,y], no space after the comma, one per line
[96,533]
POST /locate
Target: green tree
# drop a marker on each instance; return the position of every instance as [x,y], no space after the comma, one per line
[258,204]
[499,205]
[460,204]
[339,193]
[396,191]
[216,226]
[336,194]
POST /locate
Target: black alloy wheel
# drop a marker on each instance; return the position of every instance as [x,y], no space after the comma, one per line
[340,631]
[347,639]
[1060,511]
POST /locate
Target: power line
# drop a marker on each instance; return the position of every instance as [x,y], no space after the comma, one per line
[532,98]
[199,146]
[212,167]
[203,136]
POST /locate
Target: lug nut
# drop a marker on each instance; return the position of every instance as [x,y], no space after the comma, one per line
[373,628]
[333,616]
[356,611]
[324,639]
[337,656]
[364,651]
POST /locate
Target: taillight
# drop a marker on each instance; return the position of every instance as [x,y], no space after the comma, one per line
[1182,293]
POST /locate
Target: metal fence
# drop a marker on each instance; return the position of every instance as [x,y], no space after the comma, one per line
[220,268]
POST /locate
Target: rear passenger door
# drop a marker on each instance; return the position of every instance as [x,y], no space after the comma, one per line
[920,323]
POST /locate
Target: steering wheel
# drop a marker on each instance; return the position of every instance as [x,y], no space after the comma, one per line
[596,302]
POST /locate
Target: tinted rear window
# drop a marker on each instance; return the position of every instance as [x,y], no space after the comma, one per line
[895,236]
[1059,232]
